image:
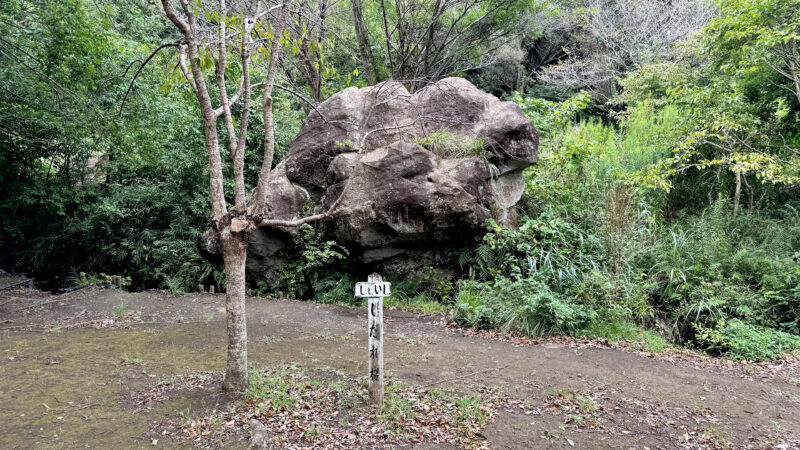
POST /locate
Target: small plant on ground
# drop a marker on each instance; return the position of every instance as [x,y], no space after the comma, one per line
[120,311]
[324,407]
[618,328]
[524,306]
[471,414]
[83,279]
[580,410]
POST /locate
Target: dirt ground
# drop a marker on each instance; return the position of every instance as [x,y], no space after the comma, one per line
[71,370]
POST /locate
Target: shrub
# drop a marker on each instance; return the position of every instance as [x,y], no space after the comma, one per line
[472,309]
[547,247]
[741,341]
[526,306]
[315,266]
[336,287]
[615,326]
[543,313]
[709,268]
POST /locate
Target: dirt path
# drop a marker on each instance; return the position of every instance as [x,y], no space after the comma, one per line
[75,387]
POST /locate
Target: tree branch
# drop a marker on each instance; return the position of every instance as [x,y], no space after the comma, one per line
[172,15]
[293,223]
[260,195]
[138,71]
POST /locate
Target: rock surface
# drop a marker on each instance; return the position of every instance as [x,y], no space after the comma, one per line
[401,203]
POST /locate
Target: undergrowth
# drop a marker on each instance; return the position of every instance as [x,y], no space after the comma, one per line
[324,406]
[594,255]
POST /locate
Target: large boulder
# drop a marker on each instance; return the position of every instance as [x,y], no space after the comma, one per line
[416,176]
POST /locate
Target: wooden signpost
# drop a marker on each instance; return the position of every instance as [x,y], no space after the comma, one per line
[375,289]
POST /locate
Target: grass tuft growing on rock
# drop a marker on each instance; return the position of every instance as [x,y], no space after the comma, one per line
[445,144]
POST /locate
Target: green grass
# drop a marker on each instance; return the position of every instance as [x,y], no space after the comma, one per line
[119,311]
[626,332]
[420,303]
[325,403]
[274,389]
[445,144]
[471,411]
[397,408]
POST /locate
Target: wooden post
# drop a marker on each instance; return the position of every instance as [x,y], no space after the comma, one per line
[211,289]
[374,290]
[201,288]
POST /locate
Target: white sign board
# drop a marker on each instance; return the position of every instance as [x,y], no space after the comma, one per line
[374,290]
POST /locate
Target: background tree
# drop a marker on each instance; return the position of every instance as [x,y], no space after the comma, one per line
[427,41]
[736,100]
[364,46]
[608,38]
[755,33]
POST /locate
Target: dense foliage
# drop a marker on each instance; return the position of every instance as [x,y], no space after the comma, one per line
[664,207]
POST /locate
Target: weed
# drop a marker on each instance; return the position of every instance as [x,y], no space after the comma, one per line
[397,405]
[349,336]
[119,311]
[741,341]
[471,411]
[174,284]
[271,390]
[83,279]
[128,360]
[216,418]
[166,382]
[446,144]
[270,339]
[421,303]
[622,330]
[586,405]
[311,434]
[185,416]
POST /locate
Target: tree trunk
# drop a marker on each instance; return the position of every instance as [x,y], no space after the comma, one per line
[234,253]
[402,57]
[737,195]
[311,66]
[363,42]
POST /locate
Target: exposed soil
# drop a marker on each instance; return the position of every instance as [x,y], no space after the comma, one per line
[74,372]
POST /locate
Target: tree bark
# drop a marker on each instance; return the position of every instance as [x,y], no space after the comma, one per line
[234,254]
[309,66]
[737,195]
[363,42]
[750,205]
[402,45]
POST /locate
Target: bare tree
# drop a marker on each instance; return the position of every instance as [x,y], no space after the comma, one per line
[246,28]
[426,41]
[611,37]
